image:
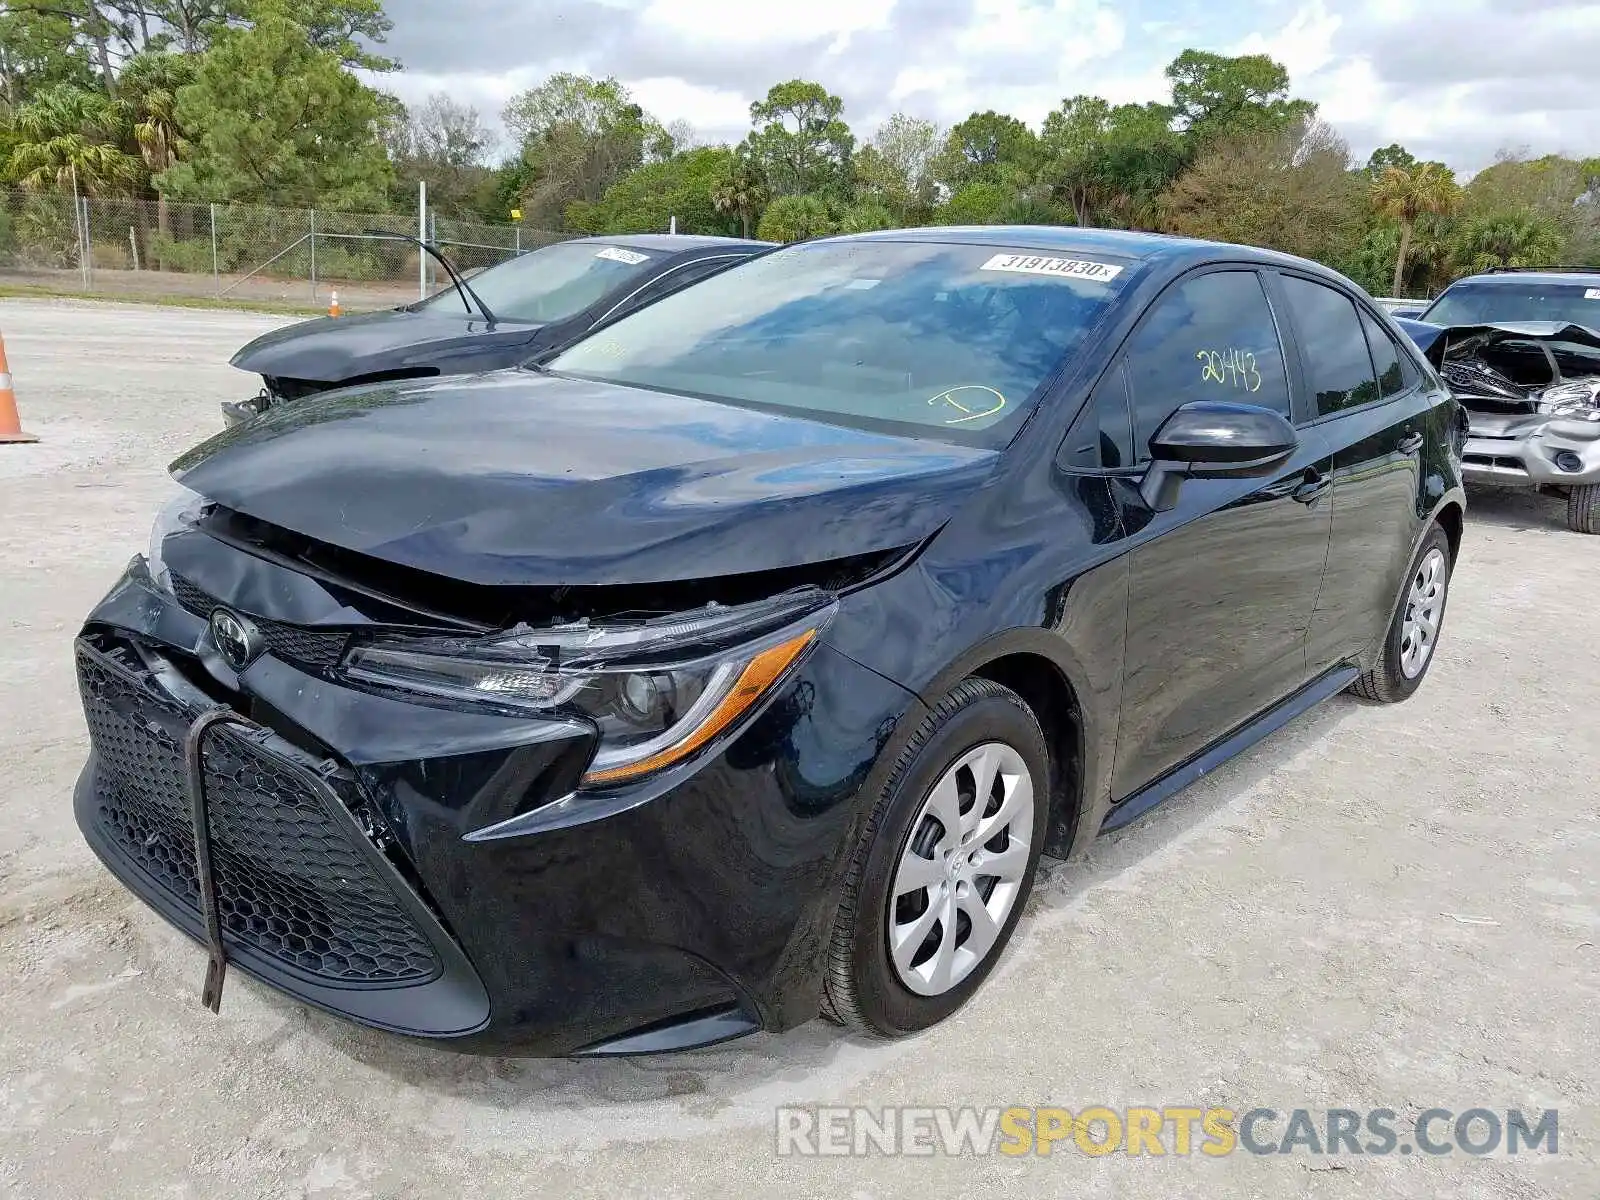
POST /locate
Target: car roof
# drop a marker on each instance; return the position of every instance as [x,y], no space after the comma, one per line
[676,241]
[1576,278]
[1129,243]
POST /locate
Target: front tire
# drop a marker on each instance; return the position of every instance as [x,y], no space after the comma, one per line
[1583,508]
[1408,648]
[944,867]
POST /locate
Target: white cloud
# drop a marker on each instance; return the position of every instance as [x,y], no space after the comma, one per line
[705,108]
[1453,84]
[726,23]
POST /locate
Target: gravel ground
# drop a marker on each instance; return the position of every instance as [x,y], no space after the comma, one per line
[1379,907]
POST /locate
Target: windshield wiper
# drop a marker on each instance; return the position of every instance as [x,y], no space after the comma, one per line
[463,288]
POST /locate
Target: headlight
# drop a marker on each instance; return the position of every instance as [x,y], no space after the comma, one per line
[657,690]
[1571,398]
[176,514]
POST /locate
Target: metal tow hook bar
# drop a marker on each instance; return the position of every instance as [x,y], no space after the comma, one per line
[194,765]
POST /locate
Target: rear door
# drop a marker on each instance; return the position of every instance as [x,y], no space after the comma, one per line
[1373,408]
[1222,587]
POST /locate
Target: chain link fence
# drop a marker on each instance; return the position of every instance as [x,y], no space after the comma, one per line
[151,248]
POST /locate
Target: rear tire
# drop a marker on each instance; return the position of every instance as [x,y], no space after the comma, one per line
[921,924]
[1408,647]
[1583,508]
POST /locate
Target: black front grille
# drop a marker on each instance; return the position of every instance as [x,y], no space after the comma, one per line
[319,649]
[291,881]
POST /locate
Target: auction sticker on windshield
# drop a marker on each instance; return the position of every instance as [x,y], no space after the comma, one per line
[617,254]
[1072,268]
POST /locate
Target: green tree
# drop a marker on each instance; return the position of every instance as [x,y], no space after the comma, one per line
[70,139]
[104,29]
[647,200]
[740,190]
[1406,195]
[1508,240]
[1290,190]
[39,50]
[987,147]
[800,141]
[1109,162]
[189,25]
[1216,96]
[792,218]
[578,136]
[1392,155]
[1029,210]
[977,203]
[443,143]
[864,216]
[341,26]
[276,119]
[150,83]
[896,168]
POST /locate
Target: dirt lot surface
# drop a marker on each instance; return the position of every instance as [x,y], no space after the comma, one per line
[1378,908]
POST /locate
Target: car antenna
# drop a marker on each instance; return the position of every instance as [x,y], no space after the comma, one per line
[462,286]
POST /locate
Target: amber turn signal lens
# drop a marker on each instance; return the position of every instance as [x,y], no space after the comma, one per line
[759,675]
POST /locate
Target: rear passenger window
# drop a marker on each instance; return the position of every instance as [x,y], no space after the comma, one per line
[1333,347]
[1392,378]
[1210,338]
[1102,436]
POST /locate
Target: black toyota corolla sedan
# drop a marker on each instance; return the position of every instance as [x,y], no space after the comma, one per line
[739,662]
[528,305]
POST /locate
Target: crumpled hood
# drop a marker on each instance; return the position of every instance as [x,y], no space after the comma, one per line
[333,349]
[1433,340]
[521,478]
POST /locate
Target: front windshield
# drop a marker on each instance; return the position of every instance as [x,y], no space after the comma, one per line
[940,340]
[550,284]
[1513,300]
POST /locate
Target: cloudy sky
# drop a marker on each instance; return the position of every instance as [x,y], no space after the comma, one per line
[1456,87]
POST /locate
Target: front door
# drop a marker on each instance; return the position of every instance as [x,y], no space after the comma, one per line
[1222,587]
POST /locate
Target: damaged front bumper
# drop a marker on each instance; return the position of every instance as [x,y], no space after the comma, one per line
[434,871]
[237,412]
[1532,450]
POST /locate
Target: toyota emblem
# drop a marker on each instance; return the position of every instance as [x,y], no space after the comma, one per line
[235,638]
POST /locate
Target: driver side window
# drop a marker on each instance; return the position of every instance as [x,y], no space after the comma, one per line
[1212,337]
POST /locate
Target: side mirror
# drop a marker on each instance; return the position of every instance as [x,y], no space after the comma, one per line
[1214,439]
[1411,313]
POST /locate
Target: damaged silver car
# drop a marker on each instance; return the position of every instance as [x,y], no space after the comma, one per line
[1531,390]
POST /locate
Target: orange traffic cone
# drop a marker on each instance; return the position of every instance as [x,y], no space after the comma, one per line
[333,305]
[10,423]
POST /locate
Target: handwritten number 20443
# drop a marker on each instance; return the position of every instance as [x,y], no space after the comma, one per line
[1230,368]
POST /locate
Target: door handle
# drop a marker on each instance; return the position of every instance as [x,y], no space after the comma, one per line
[1313,488]
[1411,443]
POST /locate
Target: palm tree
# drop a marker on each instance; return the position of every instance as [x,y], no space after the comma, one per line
[151,82]
[1405,194]
[67,137]
[1508,240]
[742,191]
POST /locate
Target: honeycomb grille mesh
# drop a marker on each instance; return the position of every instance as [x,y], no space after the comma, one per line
[290,882]
[314,648]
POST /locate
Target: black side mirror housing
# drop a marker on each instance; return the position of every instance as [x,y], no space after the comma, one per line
[1413,313]
[1214,439]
